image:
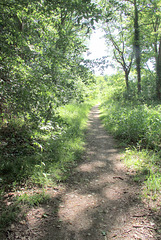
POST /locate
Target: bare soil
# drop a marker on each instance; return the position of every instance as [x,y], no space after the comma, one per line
[99,201]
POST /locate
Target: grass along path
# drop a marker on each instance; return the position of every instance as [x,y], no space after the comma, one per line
[99,201]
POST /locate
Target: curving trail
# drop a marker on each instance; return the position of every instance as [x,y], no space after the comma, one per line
[98,202]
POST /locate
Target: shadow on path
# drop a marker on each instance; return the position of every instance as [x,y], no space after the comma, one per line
[98,201]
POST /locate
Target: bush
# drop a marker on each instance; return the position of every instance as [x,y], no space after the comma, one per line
[43,155]
[140,124]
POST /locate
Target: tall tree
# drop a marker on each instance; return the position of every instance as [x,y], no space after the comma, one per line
[41,45]
[155,9]
[122,53]
[137,49]
[150,25]
[119,34]
[158,78]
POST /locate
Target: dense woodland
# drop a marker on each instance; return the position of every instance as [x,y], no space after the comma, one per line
[41,56]
[42,65]
[48,87]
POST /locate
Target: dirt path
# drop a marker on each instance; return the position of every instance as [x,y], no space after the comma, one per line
[98,202]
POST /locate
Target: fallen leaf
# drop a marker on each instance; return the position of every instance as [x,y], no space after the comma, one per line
[103,233]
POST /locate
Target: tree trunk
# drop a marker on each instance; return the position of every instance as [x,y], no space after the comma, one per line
[158,78]
[127,80]
[137,46]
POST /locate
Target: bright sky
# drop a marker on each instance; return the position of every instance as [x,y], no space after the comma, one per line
[97,46]
[98,49]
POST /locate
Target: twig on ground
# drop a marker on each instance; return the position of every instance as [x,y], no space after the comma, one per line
[118,177]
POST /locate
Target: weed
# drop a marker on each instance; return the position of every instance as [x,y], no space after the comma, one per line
[133,122]
[9,215]
[33,200]
[55,147]
[147,170]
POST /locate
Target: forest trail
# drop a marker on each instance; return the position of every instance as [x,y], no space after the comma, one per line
[98,202]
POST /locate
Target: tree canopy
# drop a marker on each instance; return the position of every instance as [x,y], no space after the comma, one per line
[41,45]
[133,28]
[41,48]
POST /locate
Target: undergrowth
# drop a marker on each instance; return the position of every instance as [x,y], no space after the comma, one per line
[41,156]
[137,126]
[17,207]
[135,123]
[147,166]
[33,199]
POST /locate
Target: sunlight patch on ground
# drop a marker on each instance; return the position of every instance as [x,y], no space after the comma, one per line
[103,180]
[75,210]
[101,137]
[91,167]
[112,193]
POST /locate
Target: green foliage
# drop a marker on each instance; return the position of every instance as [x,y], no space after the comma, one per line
[8,215]
[33,200]
[15,139]
[68,143]
[41,56]
[147,166]
[39,156]
[111,87]
[135,123]
[45,156]
[148,85]
[56,146]
[42,70]
[133,28]
[127,116]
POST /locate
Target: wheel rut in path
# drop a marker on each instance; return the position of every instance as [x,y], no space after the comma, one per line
[98,201]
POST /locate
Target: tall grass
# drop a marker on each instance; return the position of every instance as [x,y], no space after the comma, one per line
[138,128]
[147,166]
[136,122]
